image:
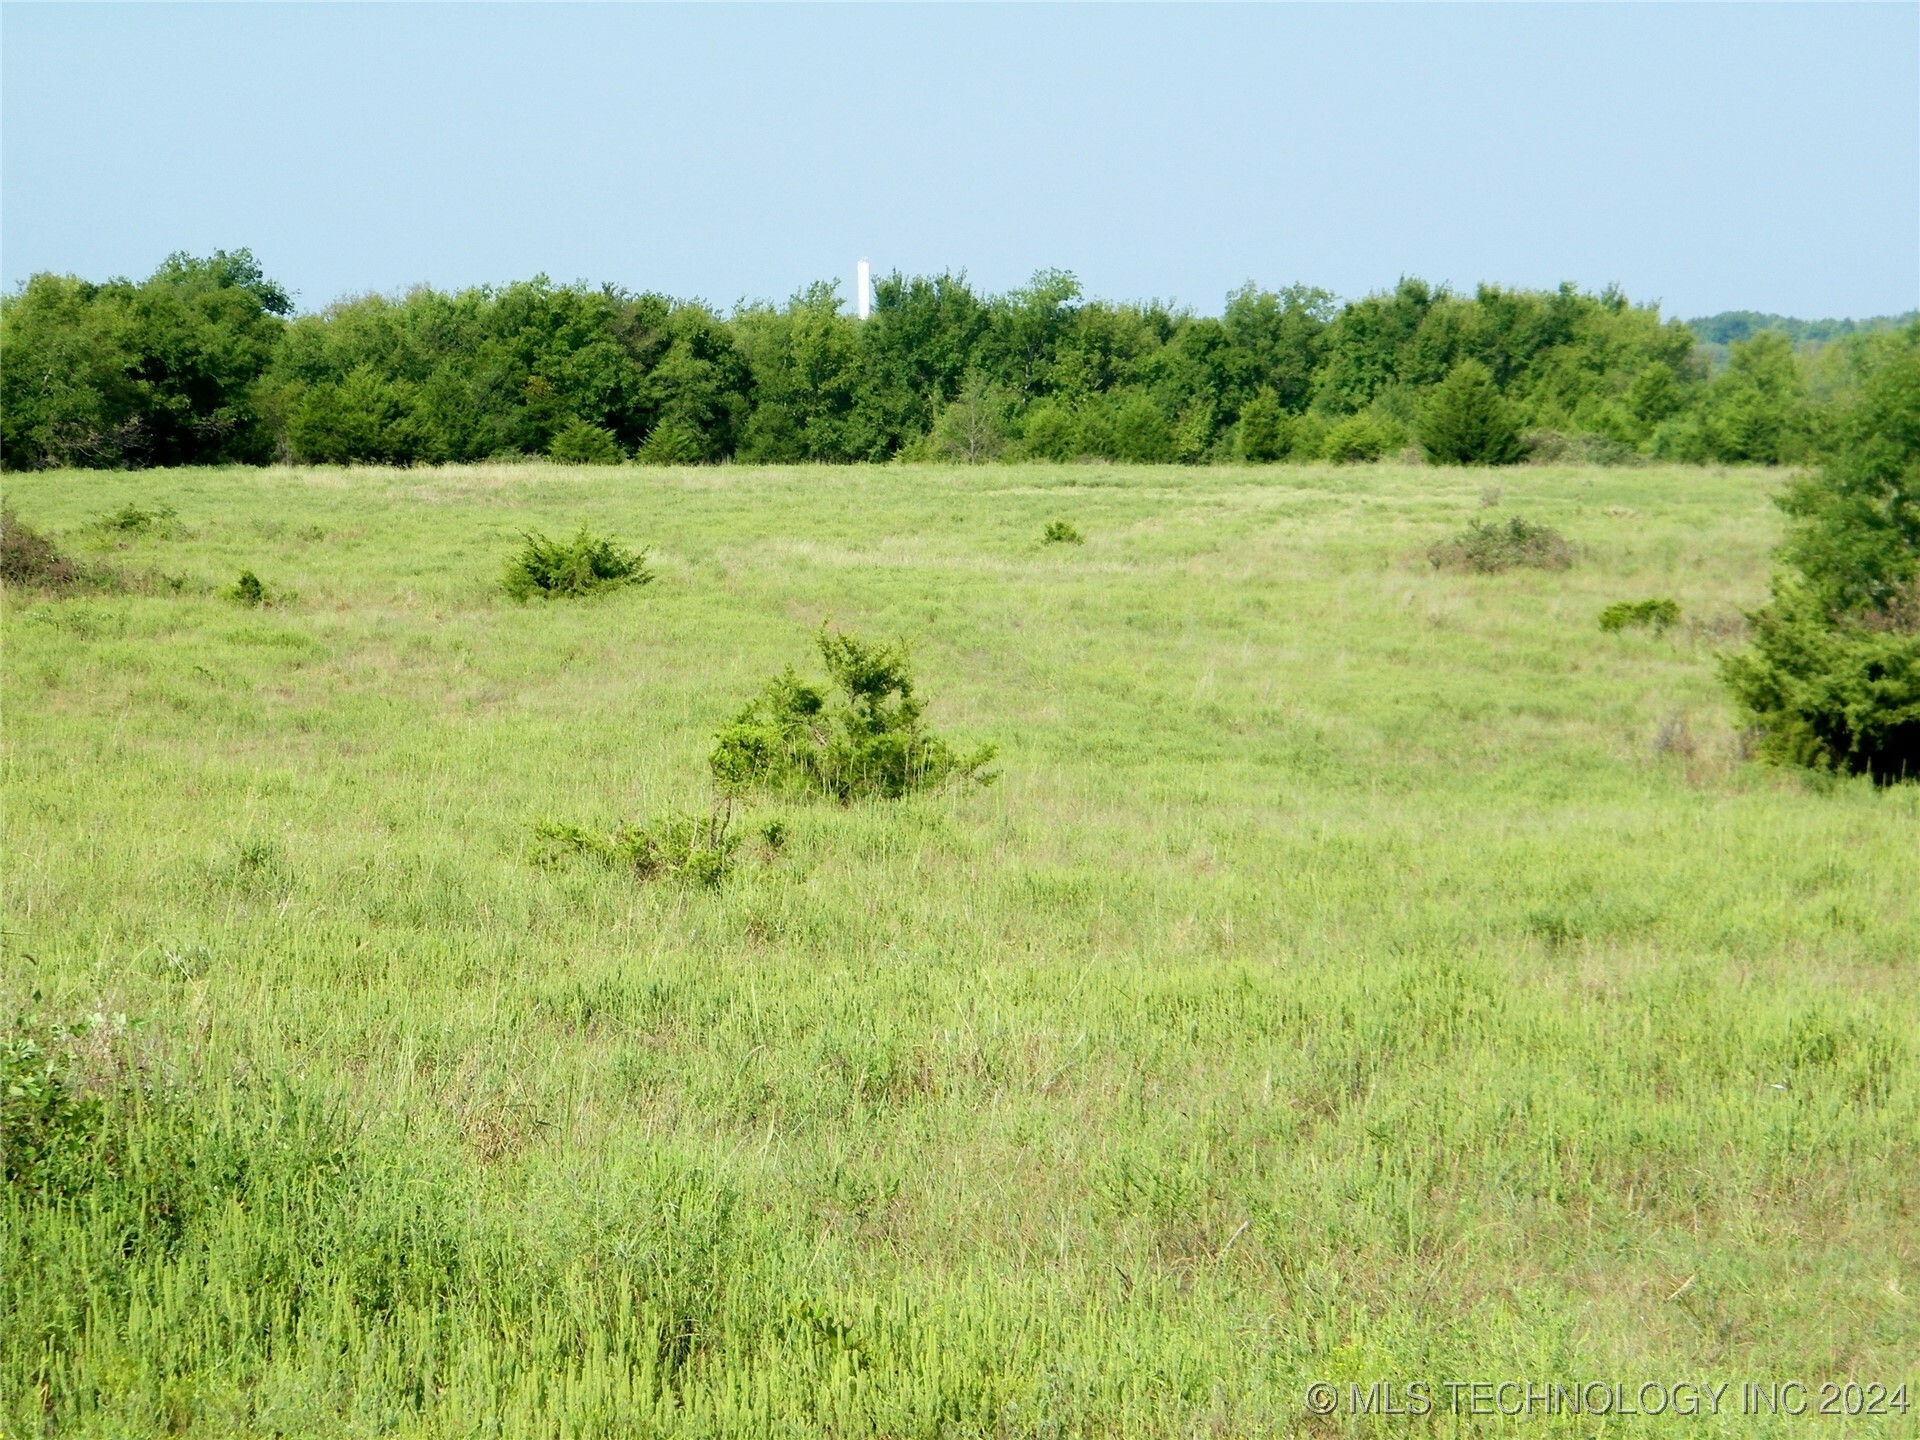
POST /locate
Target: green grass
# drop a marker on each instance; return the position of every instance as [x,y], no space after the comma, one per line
[1359,972]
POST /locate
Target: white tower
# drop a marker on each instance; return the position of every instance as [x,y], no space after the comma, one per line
[862,289]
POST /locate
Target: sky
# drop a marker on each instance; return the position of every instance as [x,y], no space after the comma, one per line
[1709,157]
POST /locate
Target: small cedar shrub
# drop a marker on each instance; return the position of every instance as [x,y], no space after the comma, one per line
[568,569]
[864,738]
[134,519]
[582,443]
[1656,615]
[1488,548]
[1464,420]
[1059,532]
[1827,694]
[671,442]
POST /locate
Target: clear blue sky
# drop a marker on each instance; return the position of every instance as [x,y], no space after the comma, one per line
[1711,157]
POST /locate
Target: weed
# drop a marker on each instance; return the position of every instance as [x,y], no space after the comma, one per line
[255,867]
[1059,532]
[134,519]
[1675,736]
[868,740]
[1656,615]
[1487,549]
[47,1128]
[677,846]
[1552,447]
[568,569]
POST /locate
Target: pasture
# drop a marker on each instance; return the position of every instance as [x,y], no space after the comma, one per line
[1358,971]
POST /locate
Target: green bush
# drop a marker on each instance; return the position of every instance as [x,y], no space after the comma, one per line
[865,738]
[1832,680]
[677,846]
[32,561]
[1465,421]
[671,442]
[48,1128]
[1832,695]
[1654,615]
[1059,532]
[1487,549]
[582,443]
[1554,447]
[1306,436]
[1680,441]
[1756,409]
[133,519]
[568,569]
[1263,430]
[248,590]
[1049,431]
[1359,437]
[975,426]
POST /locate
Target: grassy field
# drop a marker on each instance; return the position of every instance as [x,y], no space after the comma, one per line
[1357,973]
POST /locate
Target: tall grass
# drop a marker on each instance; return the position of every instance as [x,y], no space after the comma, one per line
[1340,983]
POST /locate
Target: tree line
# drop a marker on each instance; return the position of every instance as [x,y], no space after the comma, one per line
[205,362]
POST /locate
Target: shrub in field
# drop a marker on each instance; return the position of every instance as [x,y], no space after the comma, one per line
[1464,420]
[582,443]
[864,738]
[1487,549]
[1059,532]
[1832,680]
[1654,615]
[30,559]
[566,569]
[253,592]
[1358,437]
[1831,694]
[47,1125]
[677,846]
[1552,447]
[133,519]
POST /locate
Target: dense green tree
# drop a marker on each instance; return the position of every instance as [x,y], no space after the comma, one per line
[1262,436]
[200,363]
[1275,340]
[159,373]
[1363,346]
[581,442]
[1364,435]
[975,426]
[1833,677]
[1465,421]
[917,349]
[1756,408]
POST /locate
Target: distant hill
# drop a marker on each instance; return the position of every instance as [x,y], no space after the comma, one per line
[1732,325]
